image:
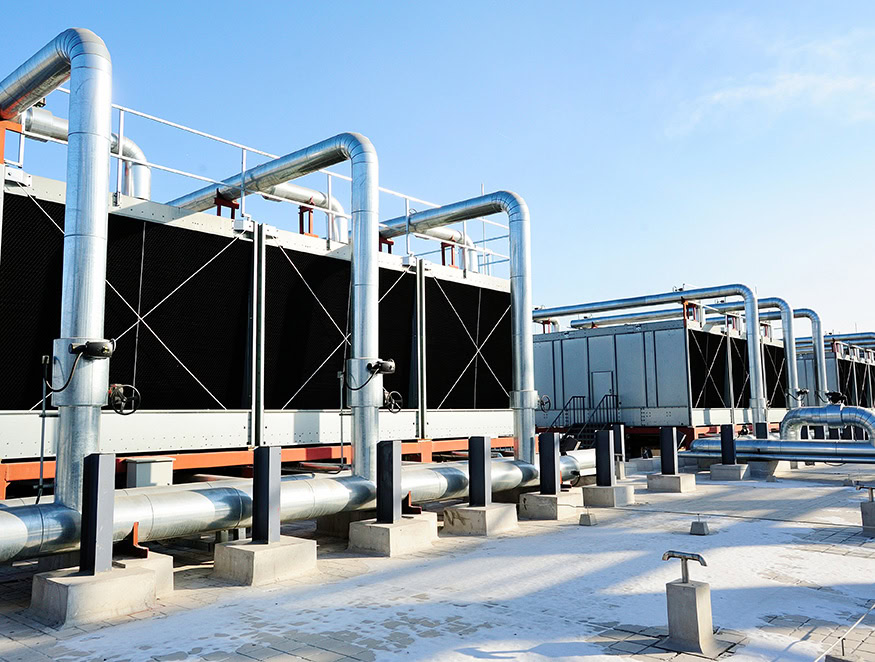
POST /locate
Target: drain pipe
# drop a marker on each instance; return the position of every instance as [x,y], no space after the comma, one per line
[136,178]
[751,314]
[82,56]
[366,394]
[523,397]
[36,530]
[786,316]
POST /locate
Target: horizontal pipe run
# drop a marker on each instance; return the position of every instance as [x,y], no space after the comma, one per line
[835,416]
[36,530]
[769,457]
[821,447]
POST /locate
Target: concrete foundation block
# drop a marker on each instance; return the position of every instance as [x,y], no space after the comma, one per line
[480,520]
[413,533]
[552,506]
[730,472]
[256,564]
[867,511]
[160,564]
[588,519]
[690,628]
[671,483]
[764,469]
[66,598]
[643,465]
[699,528]
[337,526]
[620,470]
[609,496]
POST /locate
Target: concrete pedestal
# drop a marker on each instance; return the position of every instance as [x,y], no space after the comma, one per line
[480,520]
[412,533]
[160,564]
[764,469]
[690,628]
[255,564]
[699,528]
[337,526]
[588,519]
[620,470]
[867,511]
[729,472]
[609,496]
[66,598]
[552,506]
[671,483]
[643,465]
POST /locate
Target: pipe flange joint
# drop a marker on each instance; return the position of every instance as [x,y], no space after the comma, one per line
[523,399]
[89,385]
[359,373]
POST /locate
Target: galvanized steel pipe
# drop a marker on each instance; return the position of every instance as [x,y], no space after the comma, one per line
[832,416]
[82,56]
[751,313]
[366,400]
[34,530]
[136,178]
[523,397]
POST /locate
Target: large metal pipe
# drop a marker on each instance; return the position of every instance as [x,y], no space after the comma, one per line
[849,338]
[751,313]
[787,457]
[814,448]
[769,302]
[82,56]
[136,178]
[523,397]
[833,416]
[366,392]
[34,530]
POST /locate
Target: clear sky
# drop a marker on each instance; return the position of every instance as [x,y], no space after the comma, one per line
[656,143]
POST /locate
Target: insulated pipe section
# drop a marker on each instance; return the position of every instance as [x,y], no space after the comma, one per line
[35,530]
[81,56]
[308,196]
[832,416]
[136,178]
[523,397]
[824,449]
[366,388]
[751,313]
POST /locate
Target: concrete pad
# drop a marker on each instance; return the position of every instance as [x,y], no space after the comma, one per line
[337,526]
[413,533]
[671,483]
[764,469]
[609,496]
[66,598]
[480,520]
[699,528]
[588,519]
[160,564]
[867,513]
[552,506]
[643,465]
[255,564]
[730,472]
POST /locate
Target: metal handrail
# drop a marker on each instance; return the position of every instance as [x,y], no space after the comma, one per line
[841,639]
[574,404]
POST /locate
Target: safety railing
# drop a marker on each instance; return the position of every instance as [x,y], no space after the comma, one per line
[486,256]
[572,413]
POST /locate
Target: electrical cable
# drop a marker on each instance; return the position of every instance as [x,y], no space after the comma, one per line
[69,379]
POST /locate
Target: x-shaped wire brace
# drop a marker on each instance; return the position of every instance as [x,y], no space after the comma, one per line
[685,557]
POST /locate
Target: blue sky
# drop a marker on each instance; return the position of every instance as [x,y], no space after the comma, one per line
[656,143]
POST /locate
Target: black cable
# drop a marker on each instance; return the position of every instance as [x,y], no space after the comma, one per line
[358,388]
[69,379]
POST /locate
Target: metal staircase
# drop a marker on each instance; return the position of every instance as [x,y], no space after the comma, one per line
[581,424]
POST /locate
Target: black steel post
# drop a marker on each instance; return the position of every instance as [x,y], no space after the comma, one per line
[388,482]
[266,494]
[668,450]
[727,444]
[761,430]
[548,456]
[619,430]
[98,493]
[605,476]
[479,471]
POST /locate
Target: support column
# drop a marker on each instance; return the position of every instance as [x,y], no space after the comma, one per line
[98,492]
[256,434]
[670,480]
[388,482]
[727,444]
[728,469]
[668,450]
[548,461]
[422,402]
[266,494]
[606,493]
